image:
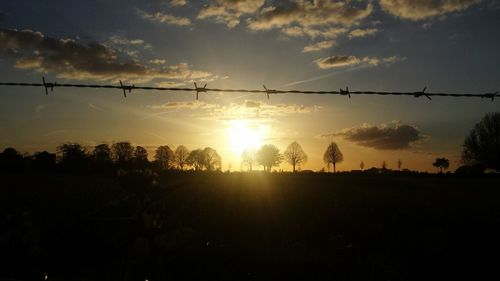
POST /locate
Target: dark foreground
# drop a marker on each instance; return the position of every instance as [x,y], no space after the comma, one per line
[249,227]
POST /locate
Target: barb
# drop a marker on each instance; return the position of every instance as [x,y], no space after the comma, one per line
[125,88]
[199,90]
[346,92]
[422,93]
[269,92]
[48,85]
[266,91]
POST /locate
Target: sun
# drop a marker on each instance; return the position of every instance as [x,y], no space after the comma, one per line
[243,135]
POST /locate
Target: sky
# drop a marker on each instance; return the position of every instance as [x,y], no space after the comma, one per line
[382,45]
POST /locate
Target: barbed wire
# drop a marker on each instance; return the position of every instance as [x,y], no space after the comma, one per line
[268,92]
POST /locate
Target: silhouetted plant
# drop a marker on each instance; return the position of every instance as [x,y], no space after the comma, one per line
[195,159]
[102,159]
[211,159]
[180,156]
[384,166]
[164,156]
[441,164]
[294,155]
[141,157]
[122,153]
[362,165]
[11,160]
[269,156]
[248,158]
[332,156]
[102,153]
[73,156]
[482,145]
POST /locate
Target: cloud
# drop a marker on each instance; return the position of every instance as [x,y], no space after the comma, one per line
[160,17]
[337,61]
[178,3]
[318,46]
[157,61]
[362,32]
[249,109]
[343,61]
[69,59]
[229,12]
[184,105]
[314,32]
[131,47]
[3,16]
[309,14]
[423,9]
[384,137]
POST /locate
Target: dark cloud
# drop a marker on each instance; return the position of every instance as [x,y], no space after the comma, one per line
[2,16]
[72,60]
[383,137]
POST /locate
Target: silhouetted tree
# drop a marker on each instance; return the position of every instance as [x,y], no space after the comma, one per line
[73,156]
[11,160]
[294,155]
[400,164]
[43,161]
[164,156]
[122,153]
[441,163]
[195,159]
[102,159]
[269,156]
[181,154]
[248,158]
[9,152]
[333,155]
[384,165]
[102,153]
[140,157]
[362,165]
[211,159]
[482,145]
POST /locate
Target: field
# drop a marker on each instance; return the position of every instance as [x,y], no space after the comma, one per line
[237,226]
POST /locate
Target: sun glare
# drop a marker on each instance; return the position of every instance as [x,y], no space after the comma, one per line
[244,135]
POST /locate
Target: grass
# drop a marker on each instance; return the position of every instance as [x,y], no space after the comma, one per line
[249,227]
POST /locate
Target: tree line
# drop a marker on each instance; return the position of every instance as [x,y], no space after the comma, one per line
[481,151]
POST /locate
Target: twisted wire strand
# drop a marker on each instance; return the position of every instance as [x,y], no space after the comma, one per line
[197,90]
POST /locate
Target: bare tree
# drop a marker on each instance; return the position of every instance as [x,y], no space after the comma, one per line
[195,159]
[482,145]
[333,155]
[269,156]
[248,158]
[362,165]
[441,164]
[122,152]
[211,159]
[73,156]
[294,155]
[102,153]
[140,153]
[400,164]
[180,155]
[164,156]
[384,165]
